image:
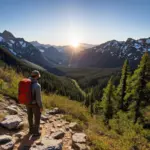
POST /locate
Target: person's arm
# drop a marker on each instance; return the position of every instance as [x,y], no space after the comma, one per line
[38,97]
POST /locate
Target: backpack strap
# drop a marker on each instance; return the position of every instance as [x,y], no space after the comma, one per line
[33,95]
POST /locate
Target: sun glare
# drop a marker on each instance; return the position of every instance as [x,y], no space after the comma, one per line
[74,38]
[75,44]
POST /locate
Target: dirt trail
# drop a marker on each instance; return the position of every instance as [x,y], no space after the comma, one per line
[55,130]
[46,130]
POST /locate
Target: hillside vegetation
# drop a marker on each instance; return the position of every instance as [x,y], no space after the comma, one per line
[105,132]
[89,77]
[49,82]
[92,78]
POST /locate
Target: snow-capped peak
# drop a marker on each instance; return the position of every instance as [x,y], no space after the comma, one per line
[23,43]
[37,44]
[137,46]
[12,41]
[1,39]
[148,41]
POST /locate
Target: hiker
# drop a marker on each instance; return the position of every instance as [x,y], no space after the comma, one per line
[35,108]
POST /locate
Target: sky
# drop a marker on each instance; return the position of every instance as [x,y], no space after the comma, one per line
[62,22]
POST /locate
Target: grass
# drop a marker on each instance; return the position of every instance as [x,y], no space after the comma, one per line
[1,97]
[99,136]
[2,115]
[110,140]
[9,82]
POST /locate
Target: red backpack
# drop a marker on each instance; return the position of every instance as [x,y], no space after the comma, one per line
[25,91]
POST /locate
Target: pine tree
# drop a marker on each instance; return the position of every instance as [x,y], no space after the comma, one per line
[107,100]
[87,99]
[139,91]
[121,89]
[92,100]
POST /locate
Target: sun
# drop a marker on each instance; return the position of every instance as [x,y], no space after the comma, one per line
[75,44]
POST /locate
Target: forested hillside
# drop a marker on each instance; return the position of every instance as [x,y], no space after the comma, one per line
[124,103]
[49,82]
[92,78]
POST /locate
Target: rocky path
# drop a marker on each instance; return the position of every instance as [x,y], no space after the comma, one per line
[57,133]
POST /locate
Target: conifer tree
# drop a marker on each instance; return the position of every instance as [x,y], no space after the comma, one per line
[121,89]
[92,100]
[87,99]
[139,91]
[107,100]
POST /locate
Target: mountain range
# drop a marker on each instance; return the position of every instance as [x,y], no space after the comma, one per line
[60,55]
[107,55]
[44,55]
[23,49]
[113,53]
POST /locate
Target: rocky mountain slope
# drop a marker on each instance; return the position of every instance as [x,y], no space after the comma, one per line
[44,55]
[57,133]
[11,60]
[107,55]
[113,53]
[50,53]
[24,50]
[60,55]
[82,46]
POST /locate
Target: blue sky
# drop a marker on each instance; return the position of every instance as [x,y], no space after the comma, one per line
[60,22]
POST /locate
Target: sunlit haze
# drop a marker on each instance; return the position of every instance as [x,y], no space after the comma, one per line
[69,22]
[75,44]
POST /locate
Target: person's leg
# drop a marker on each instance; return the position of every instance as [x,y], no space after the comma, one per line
[37,117]
[30,118]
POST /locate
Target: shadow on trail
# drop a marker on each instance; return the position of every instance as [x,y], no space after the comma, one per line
[27,142]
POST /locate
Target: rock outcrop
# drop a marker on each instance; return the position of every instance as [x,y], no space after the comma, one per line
[6,142]
[12,122]
[48,144]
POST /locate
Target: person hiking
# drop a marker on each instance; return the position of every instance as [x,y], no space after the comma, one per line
[35,108]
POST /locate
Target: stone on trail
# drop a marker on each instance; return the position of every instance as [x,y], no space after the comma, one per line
[79,138]
[73,126]
[15,107]
[25,110]
[21,124]
[54,111]
[48,144]
[19,135]
[12,110]
[7,146]
[58,135]
[44,118]
[12,122]
[42,122]
[5,139]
